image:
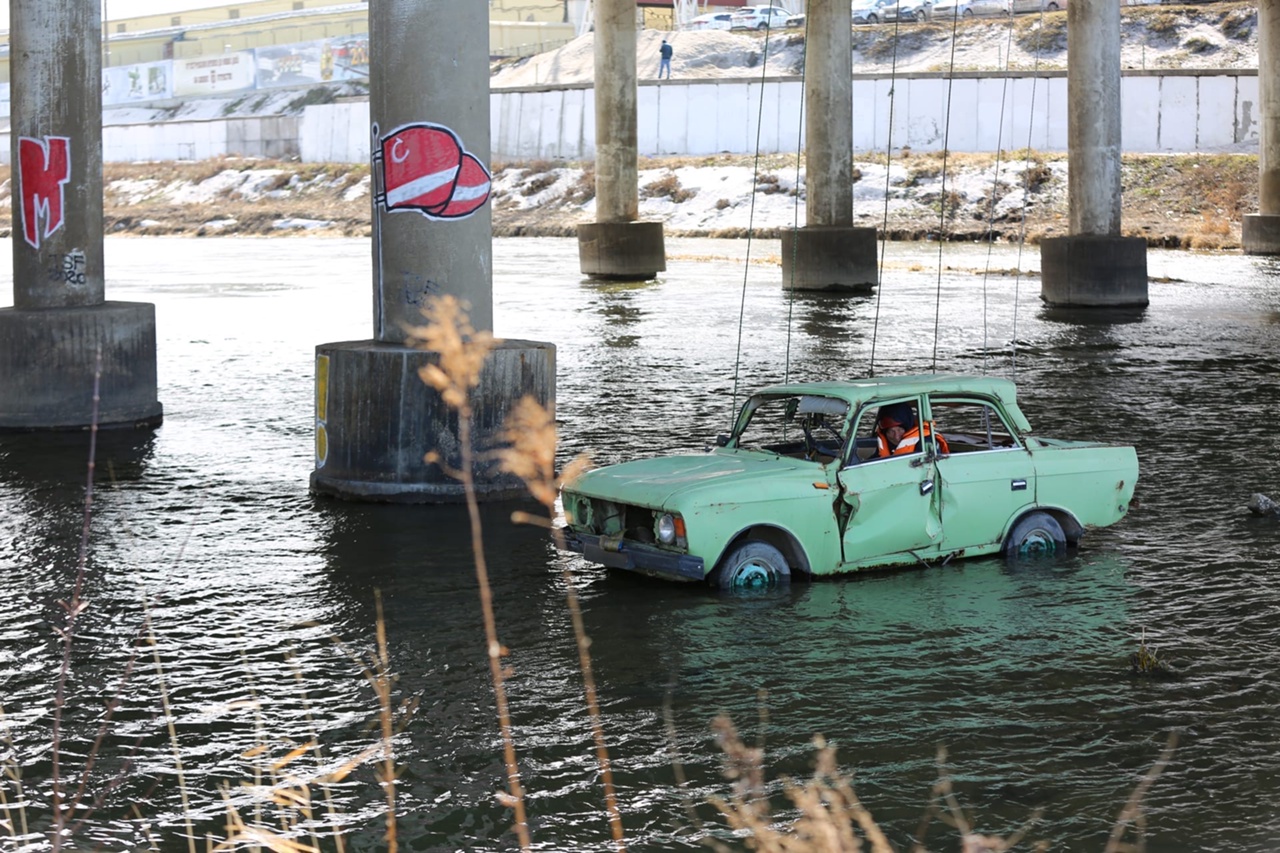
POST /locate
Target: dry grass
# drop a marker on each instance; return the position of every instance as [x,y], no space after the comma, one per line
[828,816]
[1170,200]
[668,186]
[1041,34]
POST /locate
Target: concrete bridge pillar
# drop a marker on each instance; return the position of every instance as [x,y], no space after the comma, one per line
[828,253]
[60,320]
[617,245]
[432,236]
[1260,233]
[1094,265]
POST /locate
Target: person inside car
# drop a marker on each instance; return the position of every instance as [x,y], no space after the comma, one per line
[898,434]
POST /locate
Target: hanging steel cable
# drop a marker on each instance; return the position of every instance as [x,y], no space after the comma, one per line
[995,183]
[888,162]
[751,214]
[942,202]
[1026,201]
[795,210]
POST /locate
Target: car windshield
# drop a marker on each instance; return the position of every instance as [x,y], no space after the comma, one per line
[798,425]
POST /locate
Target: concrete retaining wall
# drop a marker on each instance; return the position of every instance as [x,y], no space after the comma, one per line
[262,136]
[1163,112]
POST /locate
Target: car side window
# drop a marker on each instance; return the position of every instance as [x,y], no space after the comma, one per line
[866,442]
[971,426]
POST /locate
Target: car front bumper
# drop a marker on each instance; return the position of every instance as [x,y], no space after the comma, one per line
[635,557]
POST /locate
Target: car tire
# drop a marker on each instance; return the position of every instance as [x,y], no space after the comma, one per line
[872,19]
[763,25]
[754,565]
[1051,7]
[968,13]
[1037,534]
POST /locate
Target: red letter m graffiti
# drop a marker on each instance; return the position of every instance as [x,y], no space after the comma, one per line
[44,169]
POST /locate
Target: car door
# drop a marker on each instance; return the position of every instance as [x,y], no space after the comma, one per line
[890,513]
[987,477]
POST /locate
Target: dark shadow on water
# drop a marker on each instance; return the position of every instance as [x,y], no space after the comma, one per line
[1117,316]
[48,459]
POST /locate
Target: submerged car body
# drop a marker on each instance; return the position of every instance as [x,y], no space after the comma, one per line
[798,487]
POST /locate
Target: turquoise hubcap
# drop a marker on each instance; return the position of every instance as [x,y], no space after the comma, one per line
[753,575]
[1038,541]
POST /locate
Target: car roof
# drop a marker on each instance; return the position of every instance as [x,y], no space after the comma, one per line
[857,390]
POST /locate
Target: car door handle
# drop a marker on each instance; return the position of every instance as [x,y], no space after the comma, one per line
[1018,485]
[926,486]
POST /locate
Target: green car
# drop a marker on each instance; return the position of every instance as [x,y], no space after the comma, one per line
[823,478]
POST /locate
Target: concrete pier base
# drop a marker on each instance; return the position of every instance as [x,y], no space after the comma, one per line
[621,250]
[376,420]
[48,357]
[1093,271]
[1260,234]
[829,257]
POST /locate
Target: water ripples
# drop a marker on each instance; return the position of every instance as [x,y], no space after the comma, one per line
[260,598]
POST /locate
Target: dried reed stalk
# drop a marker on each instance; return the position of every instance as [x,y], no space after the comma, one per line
[73,606]
[530,454]
[461,352]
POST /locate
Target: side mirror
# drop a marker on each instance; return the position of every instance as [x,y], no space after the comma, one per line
[722,440]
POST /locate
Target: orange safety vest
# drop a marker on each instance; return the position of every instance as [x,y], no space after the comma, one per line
[909,443]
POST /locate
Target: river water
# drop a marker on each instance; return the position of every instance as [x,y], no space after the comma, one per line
[261,598]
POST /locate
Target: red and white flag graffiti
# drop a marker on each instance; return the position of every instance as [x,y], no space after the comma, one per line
[424,168]
[44,167]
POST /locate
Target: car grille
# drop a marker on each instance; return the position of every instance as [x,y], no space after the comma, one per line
[607,518]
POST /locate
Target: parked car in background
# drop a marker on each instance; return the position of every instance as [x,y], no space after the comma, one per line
[945,10]
[796,21]
[759,18]
[909,10]
[715,21]
[802,486]
[870,11]
[1038,5]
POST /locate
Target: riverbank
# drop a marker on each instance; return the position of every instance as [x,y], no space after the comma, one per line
[1173,201]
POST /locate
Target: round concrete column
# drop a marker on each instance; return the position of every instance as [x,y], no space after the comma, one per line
[1261,231]
[60,322]
[1070,273]
[432,236]
[616,245]
[829,253]
[426,71]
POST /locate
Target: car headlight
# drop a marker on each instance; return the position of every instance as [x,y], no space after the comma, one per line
[670,530]
[667,529]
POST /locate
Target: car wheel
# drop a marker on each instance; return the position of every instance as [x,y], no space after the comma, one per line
[1051,7]
[754,565]
[1036,534]
[968,13]
[872,19]
[764,25]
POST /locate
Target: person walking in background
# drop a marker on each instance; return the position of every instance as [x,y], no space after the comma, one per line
[665,63]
